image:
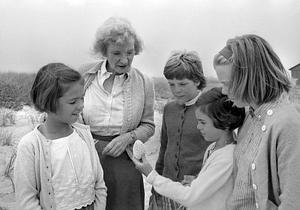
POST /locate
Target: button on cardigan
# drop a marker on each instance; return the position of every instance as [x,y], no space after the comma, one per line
[267,159]
[33,171]
[182,145]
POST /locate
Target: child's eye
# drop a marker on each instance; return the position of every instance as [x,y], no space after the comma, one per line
[201,122]
[72,102]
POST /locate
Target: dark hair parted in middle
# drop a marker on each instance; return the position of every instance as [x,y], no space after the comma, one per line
[185,65]
[50,83]
[220,109]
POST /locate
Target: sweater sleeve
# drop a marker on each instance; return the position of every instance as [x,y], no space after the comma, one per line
[208,182]
[100,188]
[159,166]
[27,194]
[146,127]
[288,157]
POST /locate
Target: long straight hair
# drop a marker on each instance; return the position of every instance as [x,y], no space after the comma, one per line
[258,75]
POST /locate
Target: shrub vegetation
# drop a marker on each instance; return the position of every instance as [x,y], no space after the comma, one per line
[14,89]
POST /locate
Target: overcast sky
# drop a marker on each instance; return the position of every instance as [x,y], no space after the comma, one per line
[36,32]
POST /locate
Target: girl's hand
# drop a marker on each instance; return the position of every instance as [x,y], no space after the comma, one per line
[143,165]
[187,180]
[117,146]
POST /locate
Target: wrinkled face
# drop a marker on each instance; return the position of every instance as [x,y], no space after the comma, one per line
[70,105]
[206,127]
[183,90]
[120,56]
[224,76]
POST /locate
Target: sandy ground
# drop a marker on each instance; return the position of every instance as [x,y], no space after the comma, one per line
[24,125]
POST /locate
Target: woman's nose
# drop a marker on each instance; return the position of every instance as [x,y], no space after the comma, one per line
[124,59]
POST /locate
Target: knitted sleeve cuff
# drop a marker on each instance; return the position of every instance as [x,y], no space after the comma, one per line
[151,176]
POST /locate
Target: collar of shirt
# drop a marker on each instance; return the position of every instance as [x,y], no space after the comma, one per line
[261,111]
[193,101]
[99,66]
[105,74]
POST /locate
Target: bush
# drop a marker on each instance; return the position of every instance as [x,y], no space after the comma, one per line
[160,104]
[8,96]
[161,88]
[6,137]
[15,89]
[7,117]
[9,170]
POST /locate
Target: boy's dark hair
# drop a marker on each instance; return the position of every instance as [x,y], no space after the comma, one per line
[185,65]
[50,83]
[220,109]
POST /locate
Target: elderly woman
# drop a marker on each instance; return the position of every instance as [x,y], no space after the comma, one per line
[119,107]
[266,158]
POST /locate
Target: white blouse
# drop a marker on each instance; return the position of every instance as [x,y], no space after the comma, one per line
[103,111]
[72,175]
